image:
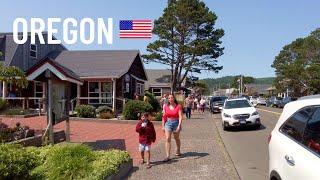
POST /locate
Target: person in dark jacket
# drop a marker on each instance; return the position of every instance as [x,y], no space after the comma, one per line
[147,135]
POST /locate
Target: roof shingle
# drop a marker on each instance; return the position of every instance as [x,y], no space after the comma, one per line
[97,63]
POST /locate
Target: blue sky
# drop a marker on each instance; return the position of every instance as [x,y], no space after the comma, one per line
[255,30]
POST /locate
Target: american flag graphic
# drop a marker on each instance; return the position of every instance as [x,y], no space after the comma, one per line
[135,29]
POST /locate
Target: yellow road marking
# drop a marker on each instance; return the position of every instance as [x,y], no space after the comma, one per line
[270,111]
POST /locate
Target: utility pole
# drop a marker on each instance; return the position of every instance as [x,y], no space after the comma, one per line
[241,84]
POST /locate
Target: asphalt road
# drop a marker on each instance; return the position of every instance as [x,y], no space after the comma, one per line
[248,147]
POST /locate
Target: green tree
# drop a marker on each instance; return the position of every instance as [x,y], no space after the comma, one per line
[13,75]
[202,88]
[245,80]
[298,66]
[187,40]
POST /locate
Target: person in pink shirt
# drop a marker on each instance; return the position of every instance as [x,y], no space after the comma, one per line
[171,124]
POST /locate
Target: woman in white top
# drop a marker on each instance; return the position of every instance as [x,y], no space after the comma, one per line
[202,104]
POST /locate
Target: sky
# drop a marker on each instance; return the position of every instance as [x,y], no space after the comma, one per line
[255,30]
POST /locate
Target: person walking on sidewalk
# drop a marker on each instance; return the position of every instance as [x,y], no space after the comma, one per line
[147,135]
[188,103]
[164,100]
[202,104]
[195,103]
[171,124]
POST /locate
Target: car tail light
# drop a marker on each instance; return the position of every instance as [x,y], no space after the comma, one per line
[269,138]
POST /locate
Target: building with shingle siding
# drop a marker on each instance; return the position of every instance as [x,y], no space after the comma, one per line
[97,77]
[158,81]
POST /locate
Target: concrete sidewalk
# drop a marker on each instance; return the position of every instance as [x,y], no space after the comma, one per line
[204,155]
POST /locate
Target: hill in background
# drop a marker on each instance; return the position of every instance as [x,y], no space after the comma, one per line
[226,82]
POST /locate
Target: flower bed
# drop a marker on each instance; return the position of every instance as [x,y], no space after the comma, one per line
[8,134]
[18,112]
[64,161]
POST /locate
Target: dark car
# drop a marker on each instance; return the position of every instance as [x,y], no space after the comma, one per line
[216,103]
[285,101]
[274,101]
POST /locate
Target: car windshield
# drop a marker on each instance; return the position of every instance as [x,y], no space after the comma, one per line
[219,98]
[237,104]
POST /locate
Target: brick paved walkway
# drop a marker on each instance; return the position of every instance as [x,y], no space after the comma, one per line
[100,135]
[203,155]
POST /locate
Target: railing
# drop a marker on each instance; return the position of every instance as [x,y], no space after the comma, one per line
[24,102]
[120,103]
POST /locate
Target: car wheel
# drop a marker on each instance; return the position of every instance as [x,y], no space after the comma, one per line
[224,126]
[258,126]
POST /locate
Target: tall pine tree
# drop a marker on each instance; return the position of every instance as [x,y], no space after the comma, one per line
[187,40]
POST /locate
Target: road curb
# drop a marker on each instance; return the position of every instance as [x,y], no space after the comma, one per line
[227,155]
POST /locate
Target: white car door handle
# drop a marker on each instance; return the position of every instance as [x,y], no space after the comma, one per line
[290,160]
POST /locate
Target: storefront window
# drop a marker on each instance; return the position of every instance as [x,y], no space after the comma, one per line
[38,91]
[157,91]
[93,93]
[100,92]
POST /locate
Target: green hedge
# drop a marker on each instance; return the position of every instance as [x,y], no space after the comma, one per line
[158,116]
[15,162]
[153,101]
[85,111]
[135,107]
[70,161]
[65,161]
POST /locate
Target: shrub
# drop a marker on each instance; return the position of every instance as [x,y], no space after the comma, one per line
[106,115]
[68,161]
[5,133]
[105,112]
[153,101]
[3,104]
[107,163]
[102,109]
[18,111]
[10,134]
[135,107]
[85,111]
[158,116]
[16,162]
[77,161]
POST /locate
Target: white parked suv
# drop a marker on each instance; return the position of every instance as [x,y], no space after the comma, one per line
[294,143]
[239,112]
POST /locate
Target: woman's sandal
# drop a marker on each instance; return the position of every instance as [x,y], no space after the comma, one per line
[166,160]
[178,154]
[148,166]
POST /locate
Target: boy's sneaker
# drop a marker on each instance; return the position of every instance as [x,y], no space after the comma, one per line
[148,166]
[142,161]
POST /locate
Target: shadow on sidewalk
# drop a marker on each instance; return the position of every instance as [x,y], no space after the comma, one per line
[107,144]
[193,155]
[196,155]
